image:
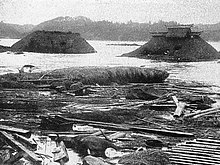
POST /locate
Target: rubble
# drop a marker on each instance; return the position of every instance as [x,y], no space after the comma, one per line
[100,128]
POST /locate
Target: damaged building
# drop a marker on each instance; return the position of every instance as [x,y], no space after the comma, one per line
[179,43]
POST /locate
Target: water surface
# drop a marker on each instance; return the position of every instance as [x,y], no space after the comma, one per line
[107,55]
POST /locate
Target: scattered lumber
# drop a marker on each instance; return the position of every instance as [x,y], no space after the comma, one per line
[31,156]
[126,127]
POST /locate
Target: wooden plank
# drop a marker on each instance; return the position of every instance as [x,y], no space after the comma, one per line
[199,146]
[28,143]
[197,151]
[206,113]
[194,158]
[203,143]
[200,112]
[20,131]
[19,147]
[195,154]
[116,135]
[209,140]
[183,161]
[208,150]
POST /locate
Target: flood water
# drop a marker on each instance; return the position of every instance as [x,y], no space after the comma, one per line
[107,55]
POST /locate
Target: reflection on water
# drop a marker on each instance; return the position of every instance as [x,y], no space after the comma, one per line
[107,55]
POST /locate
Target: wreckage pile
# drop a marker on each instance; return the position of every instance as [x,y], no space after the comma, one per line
[132,123]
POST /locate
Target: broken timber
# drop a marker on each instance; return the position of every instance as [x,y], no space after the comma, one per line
[180,107]
[23,132]
[20,148]
[125,127]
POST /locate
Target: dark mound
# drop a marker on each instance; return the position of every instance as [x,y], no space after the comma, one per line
[176,49]
[4,48]
[108,75]
[53,42]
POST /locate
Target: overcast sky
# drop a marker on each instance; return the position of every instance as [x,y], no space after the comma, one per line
[182,11]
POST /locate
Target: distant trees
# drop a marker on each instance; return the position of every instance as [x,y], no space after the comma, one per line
[104,30]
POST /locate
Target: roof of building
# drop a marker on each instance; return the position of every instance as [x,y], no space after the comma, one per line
[177,31]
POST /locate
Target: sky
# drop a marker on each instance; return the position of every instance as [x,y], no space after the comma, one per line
[181,11]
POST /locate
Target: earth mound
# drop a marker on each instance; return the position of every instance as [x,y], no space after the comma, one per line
[182,50]
[53,42]
[178,44]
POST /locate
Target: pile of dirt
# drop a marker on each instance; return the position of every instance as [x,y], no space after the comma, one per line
[176,49]
[53,42]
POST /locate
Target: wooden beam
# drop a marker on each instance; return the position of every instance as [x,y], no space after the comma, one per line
[20,131]
[126,127]
[31,156]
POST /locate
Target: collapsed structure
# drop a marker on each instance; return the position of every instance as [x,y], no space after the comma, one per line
[178,43]
[53,42]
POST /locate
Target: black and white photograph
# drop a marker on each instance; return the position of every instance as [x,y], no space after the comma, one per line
[109,82]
